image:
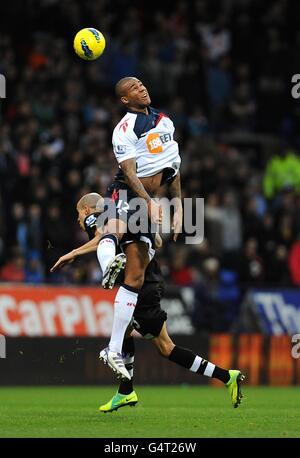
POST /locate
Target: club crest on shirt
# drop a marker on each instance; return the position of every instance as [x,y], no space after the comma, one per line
[121,149]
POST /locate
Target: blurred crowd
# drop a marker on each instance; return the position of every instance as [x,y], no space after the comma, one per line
[221,70]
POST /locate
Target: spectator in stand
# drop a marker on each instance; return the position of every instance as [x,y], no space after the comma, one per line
[14,269]
[19,238]
[252,269]
[286,230]
[212,307]
[151,70]
[294,262]
[219,86]
[242,109]
[267,239]
[282,172]
[213,223]
[57,239]
[35,229]
[231,231]
[277,271]
[216,38]
[181,274]
[33,270]
[252,222]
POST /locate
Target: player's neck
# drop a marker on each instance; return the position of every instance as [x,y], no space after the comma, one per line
[140,110]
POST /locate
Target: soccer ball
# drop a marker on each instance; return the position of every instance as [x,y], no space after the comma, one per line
[89,43]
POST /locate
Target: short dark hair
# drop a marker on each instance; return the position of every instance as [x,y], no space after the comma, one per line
[119,87]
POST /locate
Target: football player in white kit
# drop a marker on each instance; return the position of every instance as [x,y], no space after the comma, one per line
[148,157]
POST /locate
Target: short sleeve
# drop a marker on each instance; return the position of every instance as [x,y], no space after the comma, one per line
[90,225]
[124,143]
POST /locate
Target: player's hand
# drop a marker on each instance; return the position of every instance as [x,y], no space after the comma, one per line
[155,212]
[177,224]
[63,260]
[158,240]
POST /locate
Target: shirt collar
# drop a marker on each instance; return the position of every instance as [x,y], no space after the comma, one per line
[139,112]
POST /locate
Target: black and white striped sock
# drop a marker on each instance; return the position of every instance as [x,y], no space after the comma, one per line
[186,358]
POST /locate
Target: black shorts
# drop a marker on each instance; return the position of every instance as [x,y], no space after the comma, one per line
[122,196]
[148,317]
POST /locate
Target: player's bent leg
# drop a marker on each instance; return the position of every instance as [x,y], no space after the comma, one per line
[106,252]
[137,262]
[111,264]
[113,269]
[189,360]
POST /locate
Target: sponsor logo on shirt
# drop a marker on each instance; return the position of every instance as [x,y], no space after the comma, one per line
[155,142]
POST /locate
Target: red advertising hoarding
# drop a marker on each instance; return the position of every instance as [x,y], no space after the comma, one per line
[55,311]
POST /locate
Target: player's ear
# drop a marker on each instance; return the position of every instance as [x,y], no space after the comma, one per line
[124,100]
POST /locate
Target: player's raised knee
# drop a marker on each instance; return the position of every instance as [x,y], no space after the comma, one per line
[135,279]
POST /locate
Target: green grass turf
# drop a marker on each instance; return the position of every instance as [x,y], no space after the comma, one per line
[170,412]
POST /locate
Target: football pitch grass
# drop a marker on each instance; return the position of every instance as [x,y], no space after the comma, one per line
[162,412]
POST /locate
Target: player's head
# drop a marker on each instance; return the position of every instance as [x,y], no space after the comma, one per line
[88,204]
[132,93]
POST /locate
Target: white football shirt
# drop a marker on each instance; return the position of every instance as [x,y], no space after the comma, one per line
[149,140]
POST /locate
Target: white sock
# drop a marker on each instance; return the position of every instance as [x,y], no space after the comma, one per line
[124,306]
[106,251]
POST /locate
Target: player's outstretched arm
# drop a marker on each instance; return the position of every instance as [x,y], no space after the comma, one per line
[88,247]
[129,169]
[175,191]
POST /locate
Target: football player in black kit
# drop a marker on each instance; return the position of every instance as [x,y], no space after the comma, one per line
[148,318]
